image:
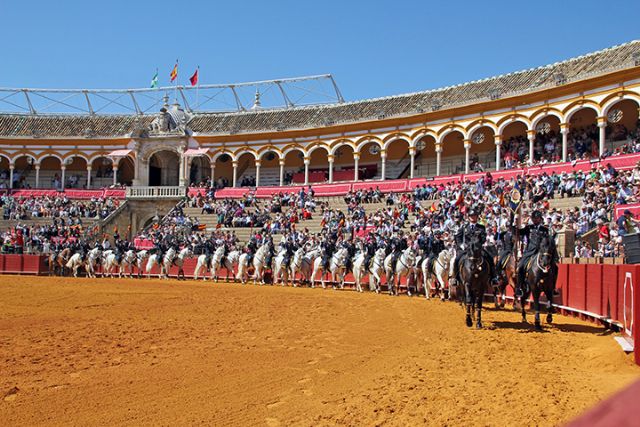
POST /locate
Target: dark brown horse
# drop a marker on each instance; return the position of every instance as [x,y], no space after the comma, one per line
[540,277]
[474,277]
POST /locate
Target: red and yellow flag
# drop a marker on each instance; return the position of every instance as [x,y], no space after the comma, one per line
[194,79]
[174,72]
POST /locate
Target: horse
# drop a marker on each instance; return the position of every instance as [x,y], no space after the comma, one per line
[128,260]
[280,273]
[295,266]
[74,263]
[540,277]
[259,263]
[404,266]
[178,260]
[436,276]
[161,263]
[375,270]
[141,257]
[229,262]
[474,277]
[91,262]
[508,277]
[336,268]
[358,270]
[58,261]
[110,264]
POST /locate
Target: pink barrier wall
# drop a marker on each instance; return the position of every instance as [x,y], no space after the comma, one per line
[116,193]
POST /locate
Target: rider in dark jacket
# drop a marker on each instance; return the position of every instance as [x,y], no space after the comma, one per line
[534,233]
[398,245]
[370,251]
[463,236]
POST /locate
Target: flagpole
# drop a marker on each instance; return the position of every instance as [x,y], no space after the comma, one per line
[198,86]
[175,95]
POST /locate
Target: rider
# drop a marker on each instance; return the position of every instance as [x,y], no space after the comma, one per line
[506,237]
[289,247]
[463,235]
[534,233]
[328,247]
[398,244]
[435,245]
[370,248]
[208,249]
[351,251]
[252,247]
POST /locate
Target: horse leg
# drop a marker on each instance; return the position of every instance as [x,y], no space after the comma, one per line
[536,305]
[479,311]
[550,309]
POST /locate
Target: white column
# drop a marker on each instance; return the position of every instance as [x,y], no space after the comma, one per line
[438,158]
[412,154]
[330,159]
[183,167]
[467,153]
[498,141]
[63,168]
[531,134]
[11,168]
[37,175]
[564,130]
[602,125]
[115,173]
[213,172]
[235,172]
[281,172]
[356,165]
[88,177]
[307,160]
[258,164]
[383,158]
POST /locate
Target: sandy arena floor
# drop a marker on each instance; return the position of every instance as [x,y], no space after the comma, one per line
[111,352]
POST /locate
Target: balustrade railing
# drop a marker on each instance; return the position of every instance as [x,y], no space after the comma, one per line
[156,192]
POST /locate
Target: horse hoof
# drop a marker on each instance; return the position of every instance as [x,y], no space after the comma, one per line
[469,322]
[538,326]
[549,318]
[478,325]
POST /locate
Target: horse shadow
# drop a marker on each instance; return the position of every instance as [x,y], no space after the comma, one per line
[583,329]
[519,326]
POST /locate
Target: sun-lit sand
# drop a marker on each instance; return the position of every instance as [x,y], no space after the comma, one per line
[112,352]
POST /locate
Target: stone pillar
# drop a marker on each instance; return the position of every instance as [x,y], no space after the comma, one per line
[602,126]
[307,160]
[258,164]
[182,168]
[412,154]
[383,158]
[564,130]
[498,141]
[330,159]
[356,165]
[37,175]
[11,169]
[531,134]
[115,173]
[63,169]
[281,162]
[88,177]
[213,172]
[467,154]
[235,172]
[438,158]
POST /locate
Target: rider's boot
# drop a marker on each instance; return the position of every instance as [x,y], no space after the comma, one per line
[520,283]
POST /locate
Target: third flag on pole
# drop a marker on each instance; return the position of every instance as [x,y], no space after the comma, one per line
[194,79]
[174,72]
[154,80]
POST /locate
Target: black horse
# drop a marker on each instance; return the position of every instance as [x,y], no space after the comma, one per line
[540,277]
[474,277]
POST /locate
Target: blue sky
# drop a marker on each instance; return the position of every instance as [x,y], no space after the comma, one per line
[372,48]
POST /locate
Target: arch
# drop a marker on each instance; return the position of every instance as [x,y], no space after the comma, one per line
[540,115]
[289,148]
[506,121]
[16,156]
[4,170]
[367,138]
[442,133]
[245,150]
[101,171]
[23,171]
[341,143]
[613,99]
[76,171]
[580,105]
[293,164]
[73,154]
[216,155]
[421,133]
[267,148]
[48,154]
[199,169]
[364,142]
[163,168]
[387,140]
[477,124]
[316,146]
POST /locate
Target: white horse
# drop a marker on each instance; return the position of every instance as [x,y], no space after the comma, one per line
[336,268]
[178,260]
[229,263]
[243,268]
[375,271]
[128,260]
[280,273]
[259,263]
[92,260]
[161,263]
[141,257]
[404,266]
[110,264]
[437,278]
[359,270]
[74,263]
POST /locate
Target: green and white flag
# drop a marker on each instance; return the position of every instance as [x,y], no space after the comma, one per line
[154,80]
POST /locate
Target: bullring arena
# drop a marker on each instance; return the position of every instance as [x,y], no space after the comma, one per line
[139,351]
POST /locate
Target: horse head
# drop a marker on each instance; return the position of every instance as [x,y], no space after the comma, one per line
[545,254]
